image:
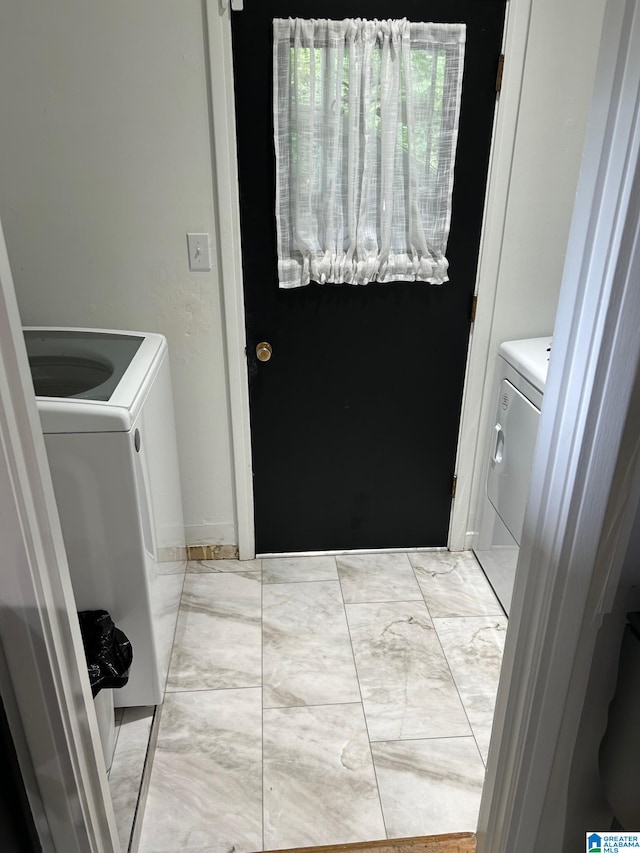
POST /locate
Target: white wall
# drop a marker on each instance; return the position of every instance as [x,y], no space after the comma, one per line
[562,51]
[561,54]
[105,164]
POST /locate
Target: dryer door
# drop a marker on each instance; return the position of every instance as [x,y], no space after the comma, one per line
[512,447]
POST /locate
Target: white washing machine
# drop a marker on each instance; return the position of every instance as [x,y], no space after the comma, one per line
[518,392]
[106,410]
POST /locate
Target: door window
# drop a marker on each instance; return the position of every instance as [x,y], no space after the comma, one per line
[365,129]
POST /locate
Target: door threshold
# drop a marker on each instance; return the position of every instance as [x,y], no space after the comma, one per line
[348,552]
[457,842]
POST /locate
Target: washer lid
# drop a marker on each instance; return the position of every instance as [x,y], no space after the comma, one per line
[91,380]
[530,357]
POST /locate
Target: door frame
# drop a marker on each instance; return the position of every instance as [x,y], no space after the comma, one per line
[230,259]
[48,703]
[585,488]
[227,206]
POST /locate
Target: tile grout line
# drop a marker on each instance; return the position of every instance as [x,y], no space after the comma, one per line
[422,739]
[446,660]
[364,715]
[211,689]
[145,780]
[488,617]
[315,705]
[467,616]
[478,564]
[115,745]
[154,731]
[424,599]
[310,580]
[389,601]
[242,572]
[175,633]
[470,616]
[353,552]
[455,683]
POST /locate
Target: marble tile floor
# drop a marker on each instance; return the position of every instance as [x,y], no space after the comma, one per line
[325,700]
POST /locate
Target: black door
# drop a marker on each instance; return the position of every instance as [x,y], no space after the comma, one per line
[354,419]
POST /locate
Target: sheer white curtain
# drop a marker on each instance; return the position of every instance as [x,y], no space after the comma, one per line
[365,131]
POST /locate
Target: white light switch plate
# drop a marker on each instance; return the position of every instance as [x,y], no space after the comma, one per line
[199,252]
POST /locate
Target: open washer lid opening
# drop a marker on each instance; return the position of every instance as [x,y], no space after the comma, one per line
[83,365]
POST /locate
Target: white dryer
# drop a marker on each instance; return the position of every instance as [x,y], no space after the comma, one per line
[519,388]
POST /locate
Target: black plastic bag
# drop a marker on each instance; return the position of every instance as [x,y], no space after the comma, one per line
[107,649]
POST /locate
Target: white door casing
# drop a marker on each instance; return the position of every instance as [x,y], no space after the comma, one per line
[586,473]
[230,271]
[48,701]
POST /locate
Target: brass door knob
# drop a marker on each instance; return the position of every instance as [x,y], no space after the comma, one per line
[264,351]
